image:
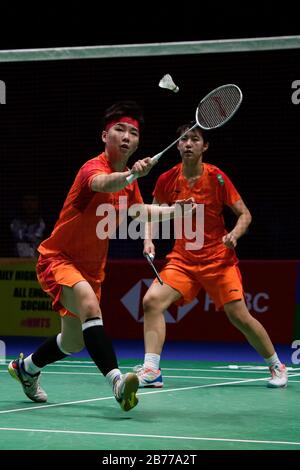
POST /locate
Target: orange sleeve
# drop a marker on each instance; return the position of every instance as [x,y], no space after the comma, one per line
[135,196]
[231,195]
[160,194]
[88,172]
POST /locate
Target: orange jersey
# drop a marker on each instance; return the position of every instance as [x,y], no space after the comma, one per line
[74,236]
[213,189]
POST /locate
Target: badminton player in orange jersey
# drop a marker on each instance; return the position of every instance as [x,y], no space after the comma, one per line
[72,260]
[213,267]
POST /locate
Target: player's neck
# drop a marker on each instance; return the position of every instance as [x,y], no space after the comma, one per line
[118,164]
[192,170]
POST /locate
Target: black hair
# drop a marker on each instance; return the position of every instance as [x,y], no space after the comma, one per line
[123,108]
[184,127]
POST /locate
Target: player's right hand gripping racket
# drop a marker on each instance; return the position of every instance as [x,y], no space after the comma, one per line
[150,259]
[213,111]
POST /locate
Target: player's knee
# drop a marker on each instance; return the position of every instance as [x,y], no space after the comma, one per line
[89,309]
[239,319]
[150,303]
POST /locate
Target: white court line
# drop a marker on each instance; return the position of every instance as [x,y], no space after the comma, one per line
[165,376]
[212,369]
[250,369]
[30,408]
[241,365]
[255,369]
[62,362]
[233,371]
[194,387]
[152,436]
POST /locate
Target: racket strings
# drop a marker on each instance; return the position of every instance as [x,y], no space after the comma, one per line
[218,106]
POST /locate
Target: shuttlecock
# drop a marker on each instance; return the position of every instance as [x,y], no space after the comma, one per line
[167,82]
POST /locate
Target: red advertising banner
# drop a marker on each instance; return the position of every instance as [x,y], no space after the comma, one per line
[270,293]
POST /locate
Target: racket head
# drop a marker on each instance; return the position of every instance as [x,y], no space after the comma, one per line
[216,108]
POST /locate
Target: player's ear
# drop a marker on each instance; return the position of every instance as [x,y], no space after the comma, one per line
[103,136]
[205,146]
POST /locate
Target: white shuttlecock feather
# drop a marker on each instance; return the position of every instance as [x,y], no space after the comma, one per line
[167,82]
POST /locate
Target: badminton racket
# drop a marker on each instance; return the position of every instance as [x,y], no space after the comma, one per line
[150,258]
[213,111]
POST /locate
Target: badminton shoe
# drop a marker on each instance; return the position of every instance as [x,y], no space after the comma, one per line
[279,377]
[30,383]
[125,388]
[149,378]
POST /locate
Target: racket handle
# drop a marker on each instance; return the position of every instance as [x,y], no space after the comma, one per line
[156,157]
[154,160]
[150,259]
[131,178]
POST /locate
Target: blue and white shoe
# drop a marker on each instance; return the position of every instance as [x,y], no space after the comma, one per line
[30,383]
[149,378]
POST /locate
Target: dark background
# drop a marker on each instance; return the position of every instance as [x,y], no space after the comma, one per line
[51,123]
[86,22]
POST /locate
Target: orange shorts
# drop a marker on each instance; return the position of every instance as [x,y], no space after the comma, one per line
[222,282]
[54,273]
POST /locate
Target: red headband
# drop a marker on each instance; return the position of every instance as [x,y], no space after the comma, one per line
[127,119]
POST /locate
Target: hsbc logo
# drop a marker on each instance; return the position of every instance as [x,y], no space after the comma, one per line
[132,301]
[258,303]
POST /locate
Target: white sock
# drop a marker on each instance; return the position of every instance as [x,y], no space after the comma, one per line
[112,376]
[152,360]
[30,367]
[273,361]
